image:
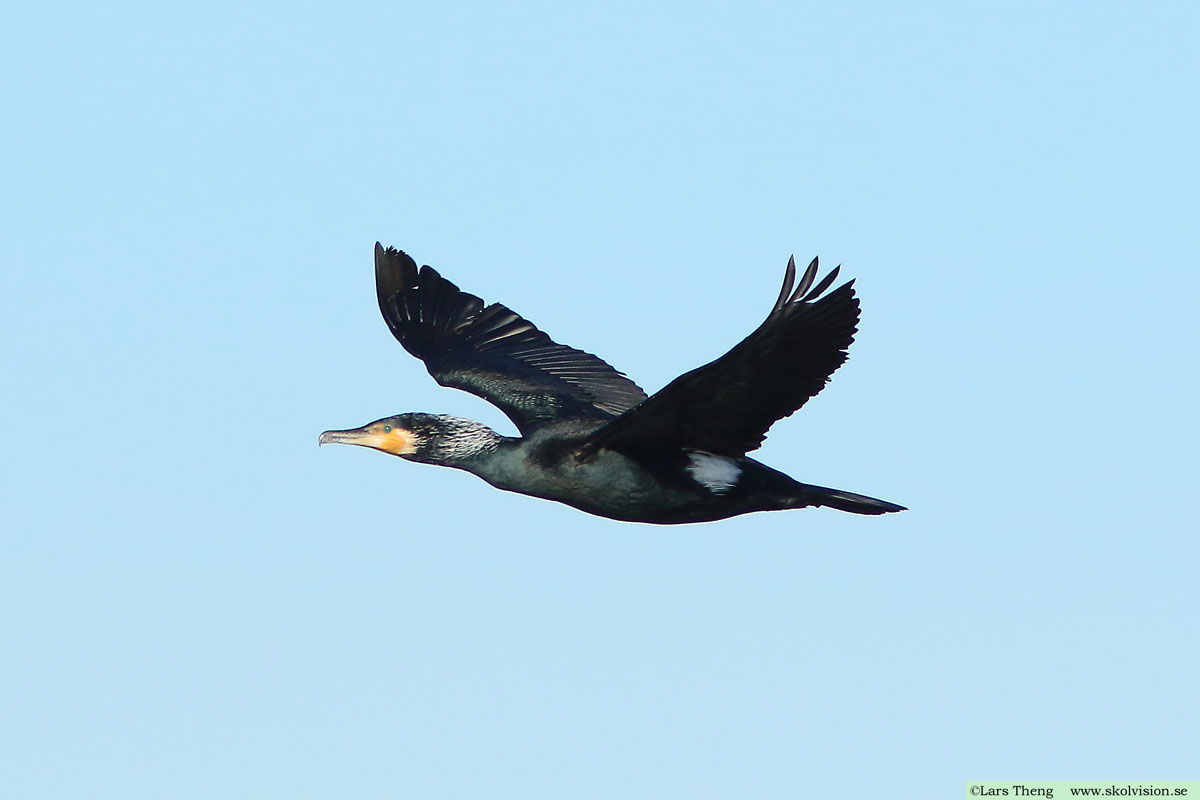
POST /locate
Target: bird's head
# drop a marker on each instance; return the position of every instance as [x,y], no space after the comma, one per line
[431,438]
[395,435]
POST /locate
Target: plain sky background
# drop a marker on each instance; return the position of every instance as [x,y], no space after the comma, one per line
[196,602]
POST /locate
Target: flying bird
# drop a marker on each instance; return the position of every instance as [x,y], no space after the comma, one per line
[590,437]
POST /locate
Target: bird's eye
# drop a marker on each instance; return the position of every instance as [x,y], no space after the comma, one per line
[387,428]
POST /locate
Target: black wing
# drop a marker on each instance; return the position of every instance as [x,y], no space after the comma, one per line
[492,352]
[726,406]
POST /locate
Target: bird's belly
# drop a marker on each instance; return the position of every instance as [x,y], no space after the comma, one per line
[609,485]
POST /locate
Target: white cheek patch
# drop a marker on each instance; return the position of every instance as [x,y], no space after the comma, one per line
[718,474]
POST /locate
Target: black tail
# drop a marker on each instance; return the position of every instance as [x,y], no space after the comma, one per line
[844,501]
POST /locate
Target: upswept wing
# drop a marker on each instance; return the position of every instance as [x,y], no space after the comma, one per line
[492,352]
[727,406]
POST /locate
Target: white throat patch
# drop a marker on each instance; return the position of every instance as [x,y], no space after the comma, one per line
[716,473]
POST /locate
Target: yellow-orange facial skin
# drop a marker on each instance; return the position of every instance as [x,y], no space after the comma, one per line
[378,436]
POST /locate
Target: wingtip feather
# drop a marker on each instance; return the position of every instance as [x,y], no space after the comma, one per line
[825,283]
[809,275]
[789,278]
[394,271]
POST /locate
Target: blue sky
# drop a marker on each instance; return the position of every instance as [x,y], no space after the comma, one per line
[196,602]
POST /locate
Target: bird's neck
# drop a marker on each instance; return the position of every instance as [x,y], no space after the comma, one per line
[461,443]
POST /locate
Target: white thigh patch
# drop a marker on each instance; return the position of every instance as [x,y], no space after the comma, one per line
[716,473]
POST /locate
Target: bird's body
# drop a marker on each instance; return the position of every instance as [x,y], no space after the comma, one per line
[590,437]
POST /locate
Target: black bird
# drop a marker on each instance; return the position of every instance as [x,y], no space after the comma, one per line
[590,437]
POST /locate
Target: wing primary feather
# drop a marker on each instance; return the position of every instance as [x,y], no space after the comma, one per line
[789,277]
[445,304]
[825,283]
[805,282]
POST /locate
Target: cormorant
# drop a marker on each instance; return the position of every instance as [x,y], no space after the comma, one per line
[590,437]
